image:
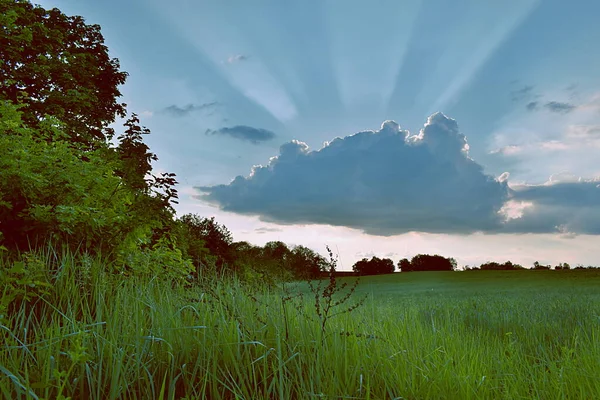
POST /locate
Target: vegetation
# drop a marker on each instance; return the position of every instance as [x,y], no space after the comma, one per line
[426,262]
[490,335]
[374,266]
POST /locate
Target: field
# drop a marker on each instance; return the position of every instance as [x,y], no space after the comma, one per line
[429,335]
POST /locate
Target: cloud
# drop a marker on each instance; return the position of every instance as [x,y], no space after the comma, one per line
[382,182]
[265,229]
[559,107]
[509,150]
[523,93]
[593,104]
[243,132]
[532,106]
[177,111]
[583,132]
[237,58]
[573,138]
[565,204]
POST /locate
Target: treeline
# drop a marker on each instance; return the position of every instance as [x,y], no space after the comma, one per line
[426,262]
[509,266]
[420,262]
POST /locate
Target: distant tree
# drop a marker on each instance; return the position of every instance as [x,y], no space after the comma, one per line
[426,262]
[454,263]
[374,266]
[538,266]
[507,266]
[202,234]
[277,250]
[404,265]
[562,266]
[59,66]
[306,263]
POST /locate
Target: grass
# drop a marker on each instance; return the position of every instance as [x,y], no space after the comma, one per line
[461,335]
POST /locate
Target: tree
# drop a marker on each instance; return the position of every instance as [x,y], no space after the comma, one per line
[404,265]
[426,262]
[374,266]
[57,65]
[507,266]
[48,192]
[306,263]
[538,266]
[201,234]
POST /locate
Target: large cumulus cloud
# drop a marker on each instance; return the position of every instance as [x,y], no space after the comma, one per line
[383,182]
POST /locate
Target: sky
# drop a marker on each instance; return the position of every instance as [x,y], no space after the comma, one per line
[468,129]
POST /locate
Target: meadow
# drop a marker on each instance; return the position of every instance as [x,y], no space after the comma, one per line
[421,335]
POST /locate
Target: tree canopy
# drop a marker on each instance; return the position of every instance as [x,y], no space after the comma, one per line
[426,262]
[374,266]
[58,65]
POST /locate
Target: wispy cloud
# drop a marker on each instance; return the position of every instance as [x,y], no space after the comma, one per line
[264,229]
[532,105]
[525,92]
[237,58]
[583,132]
[559,107]
[177,111]
[508,150]
[243,132]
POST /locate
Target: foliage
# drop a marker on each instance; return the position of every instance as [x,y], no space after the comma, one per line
[204,241]
[49,193]
[490,335]
[374,266]
[58,66]
[22,282]
[507,266]
[330,300]
[538,266]
[162,261]
[426,262]
[305,263]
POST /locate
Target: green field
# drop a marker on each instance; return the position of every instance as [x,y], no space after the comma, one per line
[429,335]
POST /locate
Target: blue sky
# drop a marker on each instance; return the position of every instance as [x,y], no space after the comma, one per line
[273,116]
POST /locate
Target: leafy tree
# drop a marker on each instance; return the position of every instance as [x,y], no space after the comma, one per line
[426,262]
[275,258]
[562,266]
[494,266]
[58,65]
[136,158]
[61,180]
[538,266]
[199,235]
[374,266]
[404,265]
[306,263]
[48,192]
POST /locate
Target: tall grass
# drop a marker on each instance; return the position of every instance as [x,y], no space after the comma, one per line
[99,336]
